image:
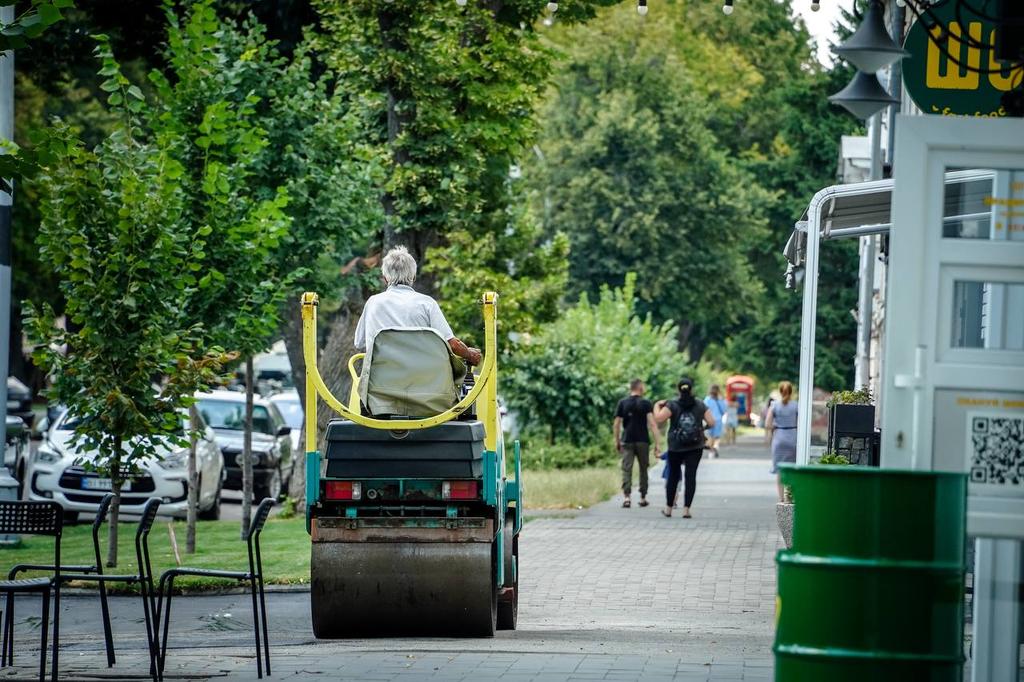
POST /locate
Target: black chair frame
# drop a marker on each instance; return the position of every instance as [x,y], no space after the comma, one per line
[254,576]
[96,568]
[144,579]
[35,518]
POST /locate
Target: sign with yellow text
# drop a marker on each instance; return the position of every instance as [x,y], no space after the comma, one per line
[935,72]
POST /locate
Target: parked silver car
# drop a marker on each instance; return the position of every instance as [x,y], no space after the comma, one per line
[271,440]
[56,472]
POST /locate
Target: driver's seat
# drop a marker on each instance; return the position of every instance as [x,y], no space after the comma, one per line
[409,372]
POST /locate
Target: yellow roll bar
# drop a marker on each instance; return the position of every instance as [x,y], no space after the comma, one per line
[486,383]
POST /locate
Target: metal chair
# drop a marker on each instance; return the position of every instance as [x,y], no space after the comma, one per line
[254,576]
[144,579]
[35,518]
[96,568]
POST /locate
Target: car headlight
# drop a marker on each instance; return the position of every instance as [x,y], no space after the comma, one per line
[175,461]
[45,455]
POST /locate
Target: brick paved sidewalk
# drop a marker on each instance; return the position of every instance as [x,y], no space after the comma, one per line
[612,594]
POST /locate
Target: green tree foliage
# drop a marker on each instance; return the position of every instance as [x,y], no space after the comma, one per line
[529,270]
[563,382]
[756,133]
[111,224]
[206,112]
[787,135]
[637,179]
[450,93]
[31,22]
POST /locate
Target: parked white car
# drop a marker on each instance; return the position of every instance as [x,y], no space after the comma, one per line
[56,473]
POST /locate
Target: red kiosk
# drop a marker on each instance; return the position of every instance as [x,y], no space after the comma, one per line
[740,388]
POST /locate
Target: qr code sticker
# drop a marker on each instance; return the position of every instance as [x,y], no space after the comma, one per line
[997,450]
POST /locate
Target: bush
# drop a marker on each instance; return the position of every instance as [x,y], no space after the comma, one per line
[565,381]
[538,453]
[833,459]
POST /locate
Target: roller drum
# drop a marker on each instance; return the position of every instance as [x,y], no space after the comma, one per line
[427,588]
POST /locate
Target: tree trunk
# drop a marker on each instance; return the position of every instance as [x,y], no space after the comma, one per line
[399,115]
[292,316]
[250,380]
[293,344]
[115,504]
[193,482]
[297,476]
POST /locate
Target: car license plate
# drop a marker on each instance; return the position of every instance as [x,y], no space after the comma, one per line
[103,484]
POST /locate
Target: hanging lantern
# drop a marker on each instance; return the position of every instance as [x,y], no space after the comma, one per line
[871,47]
[864,96]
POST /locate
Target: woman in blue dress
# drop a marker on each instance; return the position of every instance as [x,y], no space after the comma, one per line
[781,424]
[718,408]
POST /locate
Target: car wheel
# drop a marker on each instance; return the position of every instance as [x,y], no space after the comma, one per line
[212,513]
[271,488]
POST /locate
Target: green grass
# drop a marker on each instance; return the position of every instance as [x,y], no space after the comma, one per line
[285,547]
[569,488]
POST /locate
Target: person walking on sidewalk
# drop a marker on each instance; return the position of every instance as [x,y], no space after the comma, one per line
[781,424]
[687,418]
[732,422]
[719,409]
[632,427]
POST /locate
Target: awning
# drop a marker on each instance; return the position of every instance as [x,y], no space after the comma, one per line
[863,208]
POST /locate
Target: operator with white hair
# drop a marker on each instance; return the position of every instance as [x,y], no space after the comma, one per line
[401,306]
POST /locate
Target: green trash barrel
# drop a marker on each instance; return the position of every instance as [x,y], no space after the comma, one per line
[873,586]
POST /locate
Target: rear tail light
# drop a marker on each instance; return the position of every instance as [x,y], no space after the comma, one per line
[344,490]
[458,490]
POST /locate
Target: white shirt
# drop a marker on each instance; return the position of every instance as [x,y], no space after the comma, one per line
[399,306]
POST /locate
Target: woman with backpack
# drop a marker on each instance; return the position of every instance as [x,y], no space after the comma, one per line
[687,419]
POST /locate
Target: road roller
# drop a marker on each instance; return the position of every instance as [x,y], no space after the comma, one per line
[414,506]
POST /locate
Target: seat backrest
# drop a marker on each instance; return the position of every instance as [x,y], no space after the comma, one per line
[101,513]
[97,523]
[149,513]
[408,372]
[259,519]
[31,518]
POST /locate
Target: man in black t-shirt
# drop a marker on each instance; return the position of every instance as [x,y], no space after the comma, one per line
[633,443]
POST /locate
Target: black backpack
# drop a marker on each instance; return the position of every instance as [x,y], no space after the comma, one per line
[687,430]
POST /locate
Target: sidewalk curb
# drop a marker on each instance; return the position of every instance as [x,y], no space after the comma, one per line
[219,592]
